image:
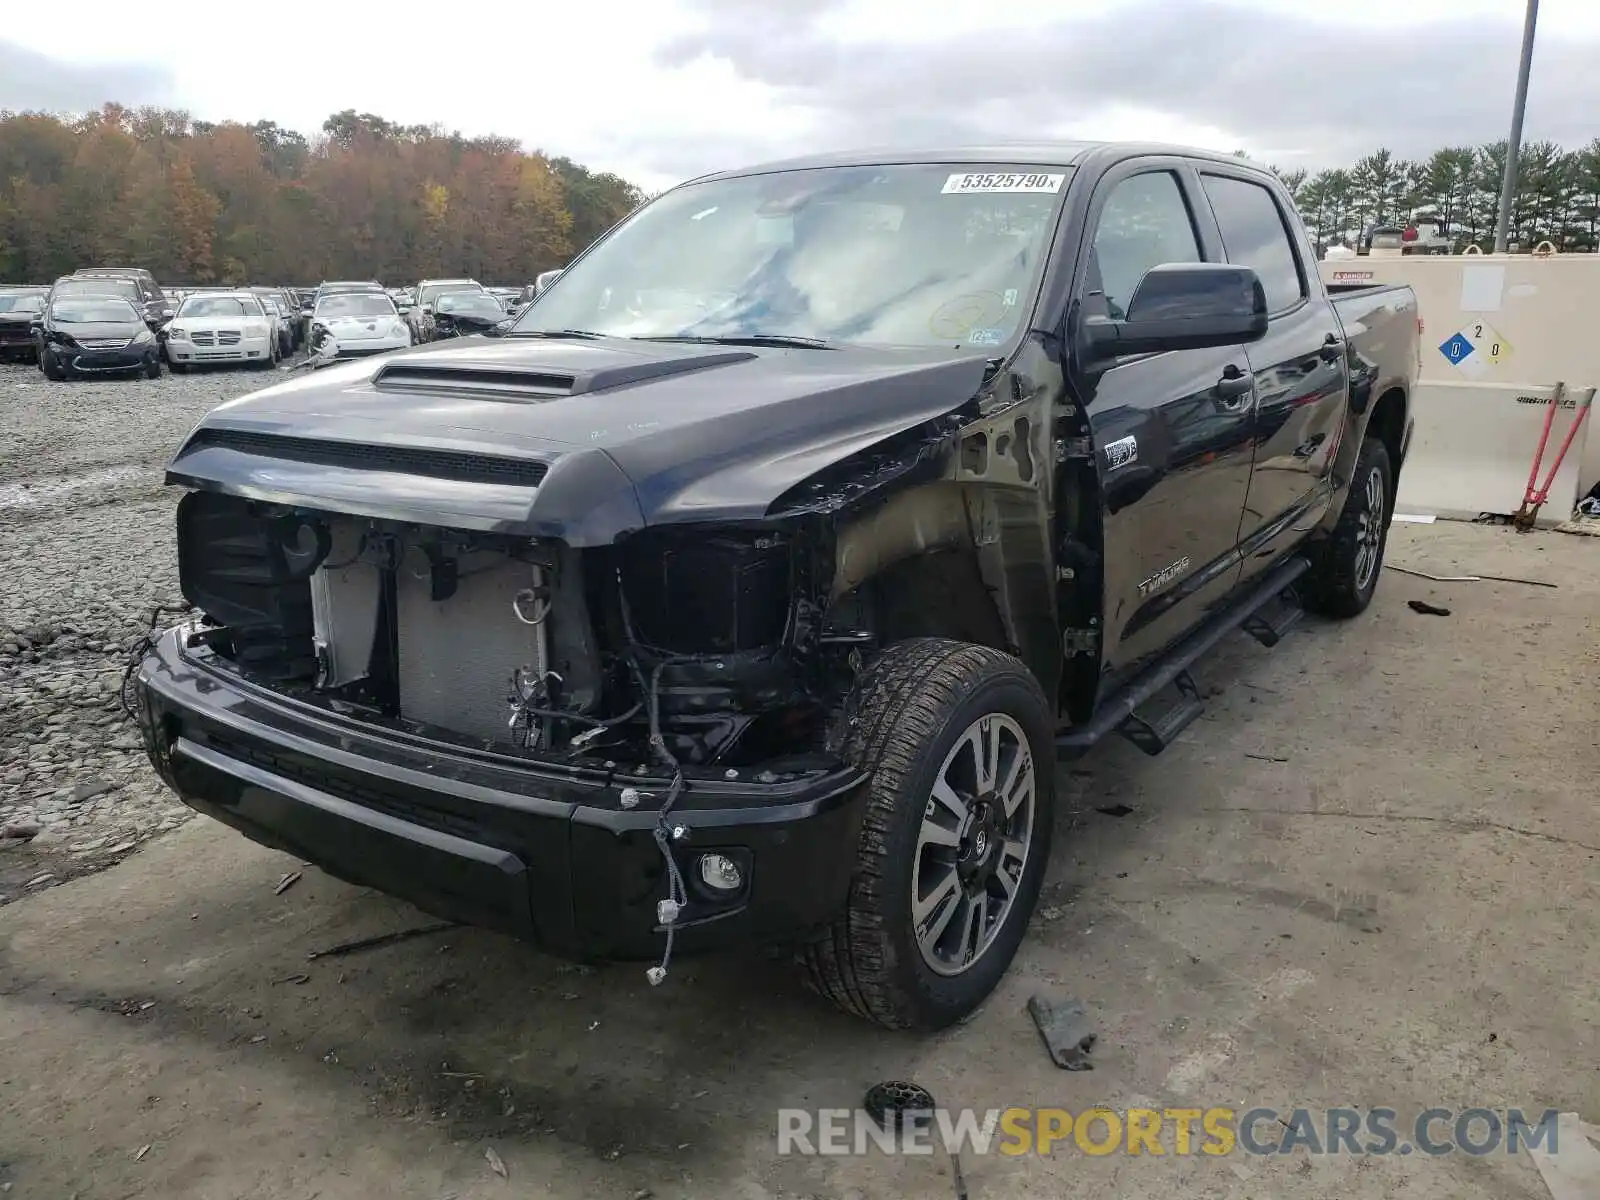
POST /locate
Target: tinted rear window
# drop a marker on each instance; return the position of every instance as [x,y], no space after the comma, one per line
[1254,235]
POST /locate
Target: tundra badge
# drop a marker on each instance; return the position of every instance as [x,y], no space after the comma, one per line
[1121,452]
[1163,577]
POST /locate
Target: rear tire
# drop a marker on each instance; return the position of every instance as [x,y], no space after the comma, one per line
[971,848]
[1346,565]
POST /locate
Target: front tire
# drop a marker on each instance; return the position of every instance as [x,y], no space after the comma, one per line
[51,366]
[152,367]
[956,740]
[1346,565]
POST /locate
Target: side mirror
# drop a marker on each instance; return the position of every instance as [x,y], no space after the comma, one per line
[36,325]
[427,308]
[544,279]
[402,309]
[498,330]
[167,314]
[1183,306]
[305,312]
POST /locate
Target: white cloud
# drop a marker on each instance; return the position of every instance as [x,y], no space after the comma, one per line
[593,81]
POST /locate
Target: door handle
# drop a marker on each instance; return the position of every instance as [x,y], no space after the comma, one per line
[1233,390]
[1332,349]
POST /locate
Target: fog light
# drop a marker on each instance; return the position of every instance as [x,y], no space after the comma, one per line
[720,873]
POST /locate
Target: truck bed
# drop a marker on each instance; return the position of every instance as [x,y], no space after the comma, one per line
[1383,326]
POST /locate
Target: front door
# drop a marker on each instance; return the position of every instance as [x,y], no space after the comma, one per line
[1172,431]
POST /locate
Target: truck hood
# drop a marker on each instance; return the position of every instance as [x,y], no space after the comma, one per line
[579,440]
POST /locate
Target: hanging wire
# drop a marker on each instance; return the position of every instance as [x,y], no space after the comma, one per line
[677,894]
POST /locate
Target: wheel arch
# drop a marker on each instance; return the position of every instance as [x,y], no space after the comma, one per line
[951,560]
[1387,422]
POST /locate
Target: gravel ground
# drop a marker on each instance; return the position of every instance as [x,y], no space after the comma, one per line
[86,531]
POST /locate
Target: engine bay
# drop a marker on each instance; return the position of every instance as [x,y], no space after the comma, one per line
[702,644]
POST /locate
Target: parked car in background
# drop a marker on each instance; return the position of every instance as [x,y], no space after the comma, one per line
[20,308]
[430,289]
[460,314]
[286,310]
[357,324]
[152,292]
[333,287]
[149,300]
[94,335]
[220,329]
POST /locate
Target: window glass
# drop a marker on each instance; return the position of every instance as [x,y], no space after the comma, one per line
[1145,223]
[909,254]
[1254,235]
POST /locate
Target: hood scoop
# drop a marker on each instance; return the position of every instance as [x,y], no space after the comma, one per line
[504,381]
[455,465]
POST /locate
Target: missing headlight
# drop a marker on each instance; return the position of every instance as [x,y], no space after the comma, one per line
[708,593]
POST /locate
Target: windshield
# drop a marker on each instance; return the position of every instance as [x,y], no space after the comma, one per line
[356,304]
[21,302]
[473,304]
[348,289]
[889,255]
[91,312]
[98,287]
[426,293]
[219,306]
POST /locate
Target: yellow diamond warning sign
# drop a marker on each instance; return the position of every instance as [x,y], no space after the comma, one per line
[1489,343]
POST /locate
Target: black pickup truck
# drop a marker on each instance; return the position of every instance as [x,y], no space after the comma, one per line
[749,587]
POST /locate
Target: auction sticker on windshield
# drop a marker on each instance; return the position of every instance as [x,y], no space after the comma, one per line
[1003,182]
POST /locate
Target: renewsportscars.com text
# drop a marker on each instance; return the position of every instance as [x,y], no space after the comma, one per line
[1176,1131]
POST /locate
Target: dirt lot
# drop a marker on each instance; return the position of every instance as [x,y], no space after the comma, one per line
[1369,876]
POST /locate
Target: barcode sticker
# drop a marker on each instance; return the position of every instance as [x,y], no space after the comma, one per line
[1002,182]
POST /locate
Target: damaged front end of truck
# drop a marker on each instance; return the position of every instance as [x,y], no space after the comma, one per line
[599,713]
[714,603]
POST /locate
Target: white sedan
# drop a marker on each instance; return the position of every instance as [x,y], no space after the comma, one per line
[221,328]
[355,324]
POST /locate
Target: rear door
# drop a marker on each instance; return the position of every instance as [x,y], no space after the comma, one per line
[1171,431]
[1301,377]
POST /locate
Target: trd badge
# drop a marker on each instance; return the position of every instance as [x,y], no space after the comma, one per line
[1121,452]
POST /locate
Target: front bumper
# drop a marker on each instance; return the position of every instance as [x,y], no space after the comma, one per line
[542,851]
[246,349]
[132,357]
[364,347]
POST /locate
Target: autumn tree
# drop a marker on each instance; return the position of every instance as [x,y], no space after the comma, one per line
[193,215]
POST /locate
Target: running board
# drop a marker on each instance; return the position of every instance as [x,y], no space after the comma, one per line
[1155,734]
[1120,713]
[1271,623]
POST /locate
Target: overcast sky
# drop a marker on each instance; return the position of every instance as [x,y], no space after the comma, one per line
[659,90]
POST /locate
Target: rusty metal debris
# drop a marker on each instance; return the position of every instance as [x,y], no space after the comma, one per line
[1467,578]
[383,939]
[1064,1026]
[496,1163]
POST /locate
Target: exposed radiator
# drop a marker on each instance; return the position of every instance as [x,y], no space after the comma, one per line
[457,655]
[344,607]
